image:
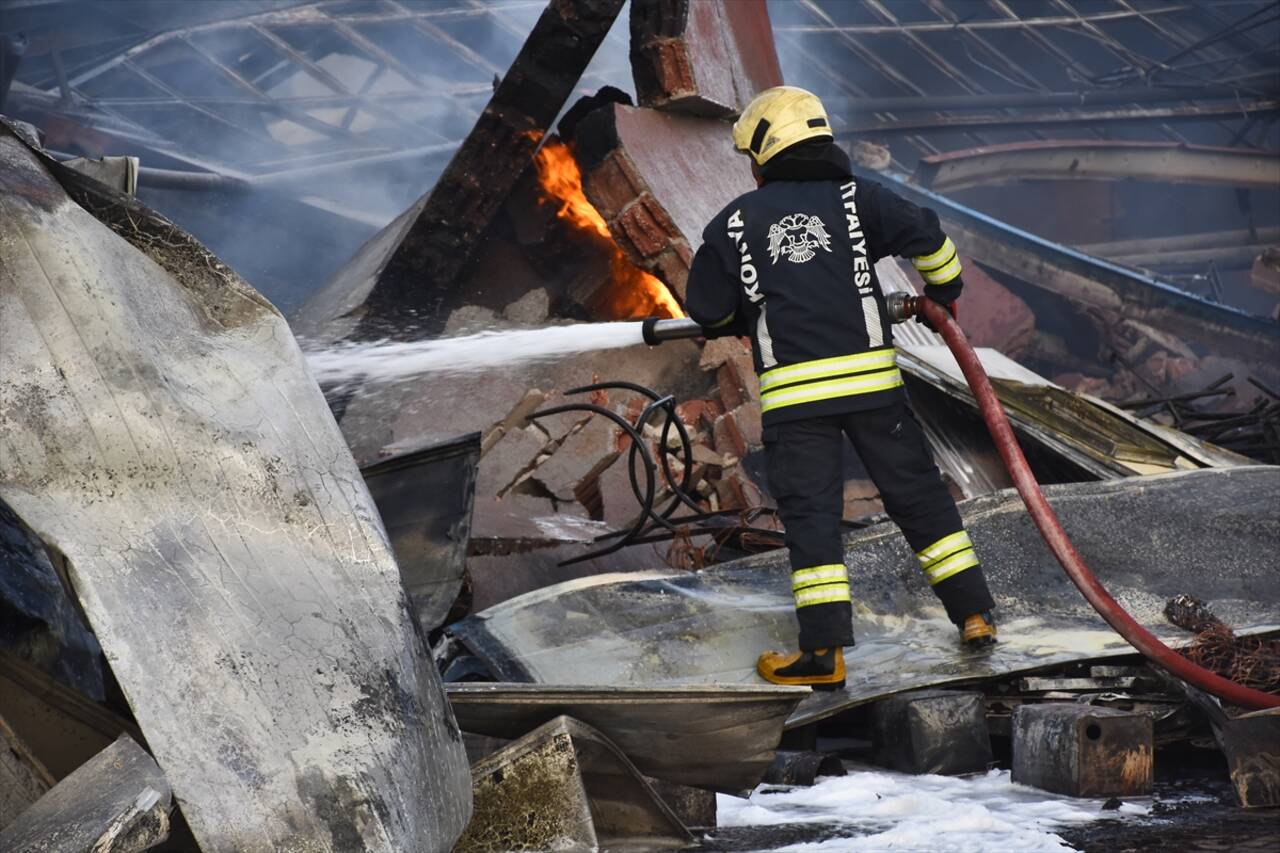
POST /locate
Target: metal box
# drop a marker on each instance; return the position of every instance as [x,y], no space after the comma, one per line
[932,731]
[1082,751]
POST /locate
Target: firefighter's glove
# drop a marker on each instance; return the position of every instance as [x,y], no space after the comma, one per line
[953,308]
[944,294]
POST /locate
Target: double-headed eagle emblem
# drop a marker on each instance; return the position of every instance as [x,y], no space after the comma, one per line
[797,236]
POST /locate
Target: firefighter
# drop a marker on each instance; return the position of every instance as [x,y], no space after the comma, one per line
[791,265]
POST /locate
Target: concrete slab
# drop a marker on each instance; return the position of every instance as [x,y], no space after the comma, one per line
[162,434]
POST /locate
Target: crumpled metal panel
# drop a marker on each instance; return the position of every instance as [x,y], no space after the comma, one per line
[425,497]
[720,737]
[159,429]
[1210,532]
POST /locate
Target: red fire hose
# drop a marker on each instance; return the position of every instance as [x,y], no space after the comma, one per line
[1056,538]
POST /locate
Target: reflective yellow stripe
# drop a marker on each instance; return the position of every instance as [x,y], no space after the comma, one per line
[823,595]
[804,578]
[813,392]
[943,274]
[726,321]
[924,262]
[824,367]
[944,546]
[954,564]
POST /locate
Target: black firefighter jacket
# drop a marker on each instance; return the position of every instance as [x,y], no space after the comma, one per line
[791,264]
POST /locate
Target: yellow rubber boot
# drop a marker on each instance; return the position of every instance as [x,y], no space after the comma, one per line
[978,631]
[821,669]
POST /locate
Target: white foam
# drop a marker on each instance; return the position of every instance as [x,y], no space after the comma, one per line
[390,361]
[877,810]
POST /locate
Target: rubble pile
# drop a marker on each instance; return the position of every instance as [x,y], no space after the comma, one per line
[520,607]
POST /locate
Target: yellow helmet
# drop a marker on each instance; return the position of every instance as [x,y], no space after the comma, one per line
[778,118]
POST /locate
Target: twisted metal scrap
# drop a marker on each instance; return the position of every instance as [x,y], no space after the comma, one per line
[683,553]
[1251,661]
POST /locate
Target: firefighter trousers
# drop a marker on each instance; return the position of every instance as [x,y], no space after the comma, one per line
[805,476]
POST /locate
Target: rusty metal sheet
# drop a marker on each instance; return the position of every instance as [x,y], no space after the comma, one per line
[1098,284]
[708,57]
[160,432]
[1210,532]
[1098,159]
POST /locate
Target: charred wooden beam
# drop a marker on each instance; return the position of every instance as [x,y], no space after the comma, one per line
[445,230]
[710,57]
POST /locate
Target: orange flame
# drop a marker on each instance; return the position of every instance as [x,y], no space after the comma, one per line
[633,293]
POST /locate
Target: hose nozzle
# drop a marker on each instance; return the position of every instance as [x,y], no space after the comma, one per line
[902,306]
[656,330]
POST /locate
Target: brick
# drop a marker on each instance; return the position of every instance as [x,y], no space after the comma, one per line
[613,184]
[706,456]
[708,57]
[583,456]
[720,350]
[517,450]
[672,266]
[737,382]
[735,489]
[699,414]
[729,439]
[861,498]
[627,153]
[644,227]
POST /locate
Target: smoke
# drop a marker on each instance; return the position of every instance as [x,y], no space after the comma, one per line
[323,175]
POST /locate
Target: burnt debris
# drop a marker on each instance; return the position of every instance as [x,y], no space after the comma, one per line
[518,607]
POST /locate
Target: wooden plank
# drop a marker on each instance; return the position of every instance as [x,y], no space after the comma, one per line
[118,802]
